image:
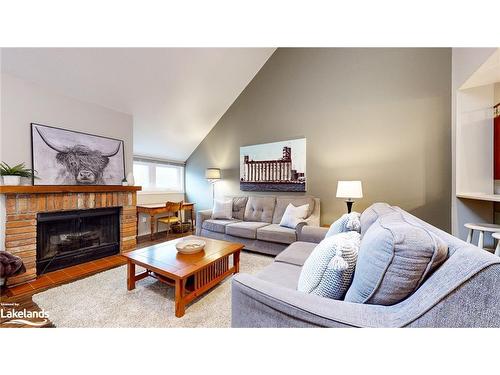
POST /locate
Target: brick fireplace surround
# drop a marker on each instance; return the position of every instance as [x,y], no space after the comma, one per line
[23,203]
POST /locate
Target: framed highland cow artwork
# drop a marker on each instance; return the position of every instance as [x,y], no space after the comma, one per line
[277,166]
[67,157]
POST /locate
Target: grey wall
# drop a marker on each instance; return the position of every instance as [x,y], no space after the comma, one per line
[24,103]
[378,115]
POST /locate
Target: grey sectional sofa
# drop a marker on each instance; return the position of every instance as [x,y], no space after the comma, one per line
[463,292]
[255,222]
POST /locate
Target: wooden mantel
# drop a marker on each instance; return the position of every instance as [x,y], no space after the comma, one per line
[44,189]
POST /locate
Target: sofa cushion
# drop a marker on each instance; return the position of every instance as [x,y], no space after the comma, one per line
[346,223]
[276,233]
[260,209]
[239,204]
[282,274]
[223,209]
[296,253]
[394,259]
[328,270]
[293,216]
[372,213]
[245,229]
[282,203]
[216,225]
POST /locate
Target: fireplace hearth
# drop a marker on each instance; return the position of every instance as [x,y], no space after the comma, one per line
[24,204]
[67,238]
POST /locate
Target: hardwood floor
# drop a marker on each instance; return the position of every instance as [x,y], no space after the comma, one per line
[18,298]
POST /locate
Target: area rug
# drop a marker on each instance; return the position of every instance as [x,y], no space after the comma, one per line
[102,300]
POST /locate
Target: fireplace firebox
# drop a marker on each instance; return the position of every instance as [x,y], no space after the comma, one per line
[68,238]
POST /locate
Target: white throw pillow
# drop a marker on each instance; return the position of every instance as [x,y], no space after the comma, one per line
[294,215]
[223,209]
[329,270]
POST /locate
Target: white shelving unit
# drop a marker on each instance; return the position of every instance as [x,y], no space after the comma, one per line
[474,172]
[480,197]
[474,137]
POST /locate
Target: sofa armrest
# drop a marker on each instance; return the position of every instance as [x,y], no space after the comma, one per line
[260,303]
[201,216]
[463,292]
[314,218]
[307,233]
[475,303]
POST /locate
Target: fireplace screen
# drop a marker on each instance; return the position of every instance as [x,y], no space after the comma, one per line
[73,237]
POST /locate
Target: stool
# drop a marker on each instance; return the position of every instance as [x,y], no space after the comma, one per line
[496,236]
[482,227]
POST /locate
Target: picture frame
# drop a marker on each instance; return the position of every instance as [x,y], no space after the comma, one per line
[276,166]
[68,157]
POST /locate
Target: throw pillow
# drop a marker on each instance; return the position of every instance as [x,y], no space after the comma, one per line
[294,215]
[394,259]
[346,223]
[222,209]
[372,213]
[329,269]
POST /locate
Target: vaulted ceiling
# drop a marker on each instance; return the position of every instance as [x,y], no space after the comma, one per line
[176,95]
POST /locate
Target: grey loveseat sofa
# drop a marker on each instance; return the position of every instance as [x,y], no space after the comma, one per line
[463,292]
[255,222]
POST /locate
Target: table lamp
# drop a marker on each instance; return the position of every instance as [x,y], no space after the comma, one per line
[349,190]
[212,175]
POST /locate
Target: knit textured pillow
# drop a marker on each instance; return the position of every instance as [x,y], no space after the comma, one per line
[346,223]
[329,269]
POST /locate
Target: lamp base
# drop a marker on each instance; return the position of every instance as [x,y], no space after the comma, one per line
[349,206]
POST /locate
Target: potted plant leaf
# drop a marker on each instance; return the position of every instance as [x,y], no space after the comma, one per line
[12,175]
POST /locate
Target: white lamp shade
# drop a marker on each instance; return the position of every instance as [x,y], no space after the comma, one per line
[212,174]
[349,189]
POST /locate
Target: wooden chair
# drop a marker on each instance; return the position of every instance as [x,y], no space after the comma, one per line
[173,212]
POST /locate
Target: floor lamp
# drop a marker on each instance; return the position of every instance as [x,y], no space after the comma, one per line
[212,175]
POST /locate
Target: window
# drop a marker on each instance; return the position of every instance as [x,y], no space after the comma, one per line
[158,176]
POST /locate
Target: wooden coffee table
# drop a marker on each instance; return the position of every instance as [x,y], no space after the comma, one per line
[191,275]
